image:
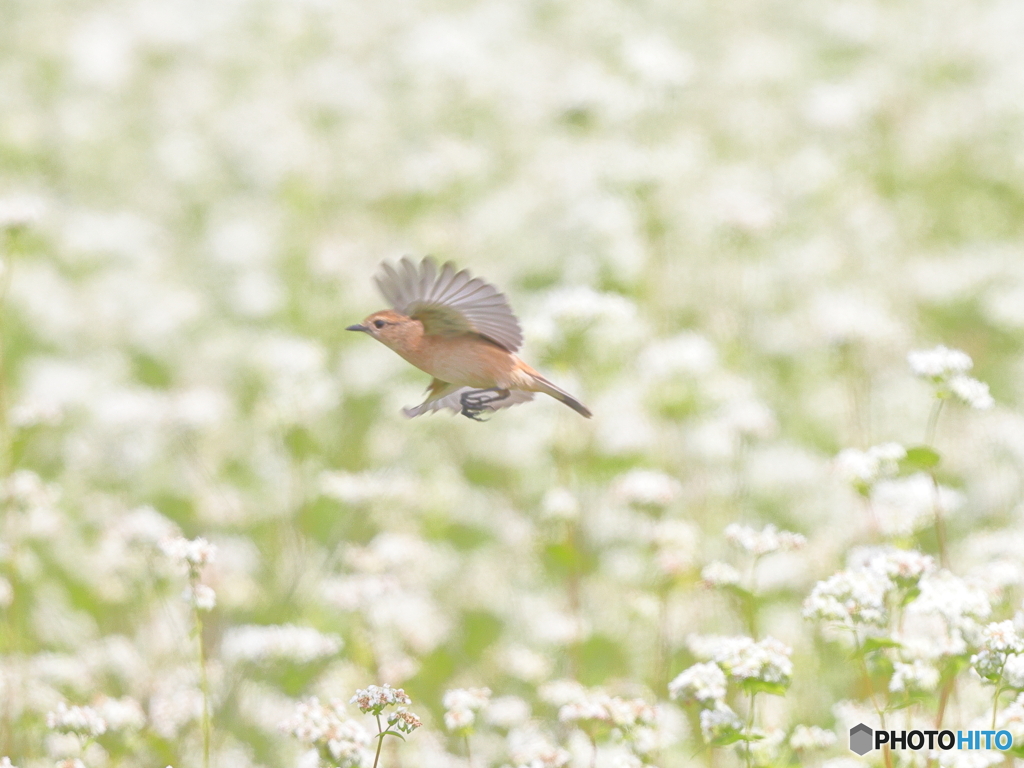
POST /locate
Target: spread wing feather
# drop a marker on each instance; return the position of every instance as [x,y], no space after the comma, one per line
[447,301]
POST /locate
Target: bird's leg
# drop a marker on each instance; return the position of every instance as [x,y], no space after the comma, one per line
[476,401]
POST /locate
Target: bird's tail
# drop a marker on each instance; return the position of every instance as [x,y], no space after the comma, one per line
[543,385]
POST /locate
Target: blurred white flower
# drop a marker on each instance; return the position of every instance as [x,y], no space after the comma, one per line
[82,721]
[915,676]
[560,504]
[277,642]
[719,574]
[718,722]
[767,540]
[507,712]
[18,211]
[940,362]
[646,487]
[191,553]
[528,748]
[879,461]
[200,596]
[704,683]
[327,727]
[123,714]
[805,738]
[461,705]
[971,392]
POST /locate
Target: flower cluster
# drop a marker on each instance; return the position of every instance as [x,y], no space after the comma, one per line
[81,721]
[998,650]
[461,706]
[340,740]
[284,642]
[375,698]
[769,539]
[863,468]
[947,370]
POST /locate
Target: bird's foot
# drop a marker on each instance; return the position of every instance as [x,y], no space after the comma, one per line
[476,401]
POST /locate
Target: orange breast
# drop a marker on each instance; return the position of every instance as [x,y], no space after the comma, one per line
[465,360]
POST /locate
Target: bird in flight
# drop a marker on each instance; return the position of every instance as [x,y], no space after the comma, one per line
[461,330]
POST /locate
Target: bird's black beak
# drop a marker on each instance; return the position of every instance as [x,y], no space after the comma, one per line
[358,327]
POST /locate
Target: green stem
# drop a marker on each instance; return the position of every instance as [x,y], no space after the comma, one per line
[380,741]
[887,755]
[203,679]
[469,753]
[933,421]
[750,727]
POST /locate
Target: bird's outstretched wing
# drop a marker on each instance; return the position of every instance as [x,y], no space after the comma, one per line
[449,302]
[453,401]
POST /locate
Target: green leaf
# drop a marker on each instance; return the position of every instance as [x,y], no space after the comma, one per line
[918,458]
[730,737]
[873,644]
[396,734]
[752,686]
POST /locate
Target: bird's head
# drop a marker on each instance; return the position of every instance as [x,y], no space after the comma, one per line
[390,328]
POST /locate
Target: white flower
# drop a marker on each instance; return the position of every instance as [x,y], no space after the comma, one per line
[704,683]
[849,598]
[645,487]
[616,711]
[719,574]
[767,540]
[124,714]
[916,676]
[528,748]
[19,211]
[879,461]
[560,504]
[938,363]
[1013,671]
[5,762]
[403,720]
[462,703]
[328,727]
[194,552]
[971,392]
[277,642]
[718,722]
[200,596]
[83,721]
[813,737]
[375,698]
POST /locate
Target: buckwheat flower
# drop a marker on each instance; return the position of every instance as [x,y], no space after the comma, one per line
[328,729]
[124,714]
[277,642]
[1013,671]
[939,363]
[647,488]
[200,596]
[850,598]
[403,720]
[703,683]
[805,738]
[19,211]
[82,721]
[374,698]
[1011,717]
[676,545]
[560,692]
[915,676]
[719,722]
[999,640]
[972,392]
[528,748]
[5,762]
[507,712]
[719,574]
[758,543]
[961,604]
[189,552]
[462,704]
[865,467]
[767,660]
[905,567]
[560,504]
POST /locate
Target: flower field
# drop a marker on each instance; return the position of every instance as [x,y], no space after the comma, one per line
[776,247]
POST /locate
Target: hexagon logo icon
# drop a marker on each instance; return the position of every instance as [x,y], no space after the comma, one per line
[861,738]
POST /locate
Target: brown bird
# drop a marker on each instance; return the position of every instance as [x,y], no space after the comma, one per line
[460,330]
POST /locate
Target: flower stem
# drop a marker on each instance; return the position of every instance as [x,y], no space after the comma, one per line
[933,421]
[203,681]
[750,726]
[886,754]
[380,742]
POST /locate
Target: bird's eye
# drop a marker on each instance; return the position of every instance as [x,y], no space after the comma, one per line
[378,323]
